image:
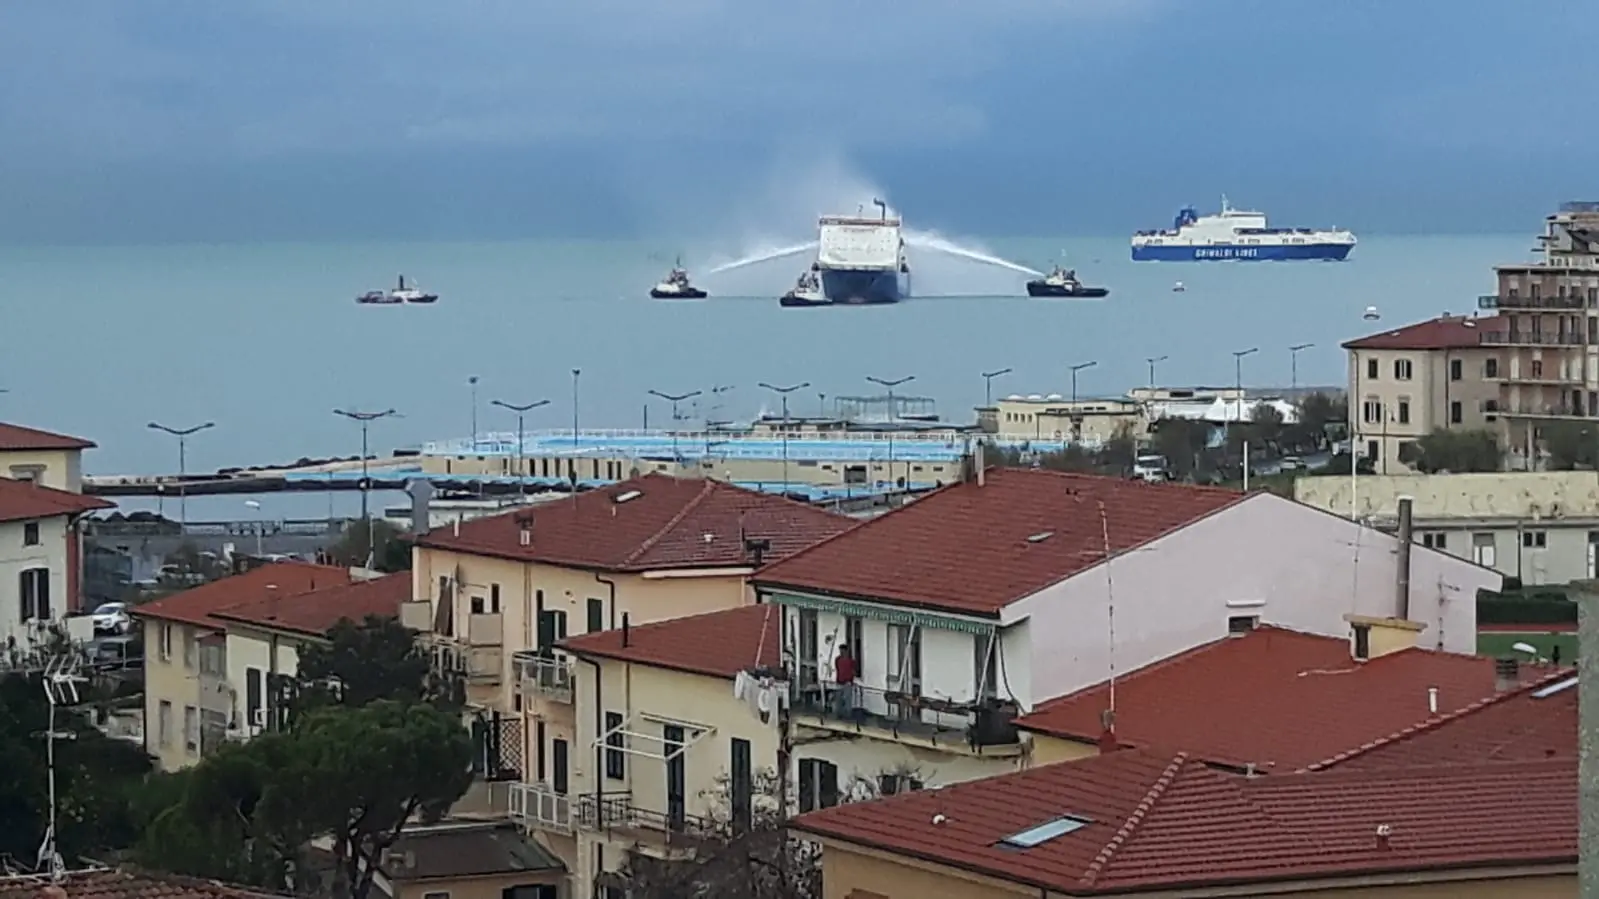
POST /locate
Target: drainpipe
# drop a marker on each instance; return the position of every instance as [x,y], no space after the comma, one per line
[1587,596]
[1402,566]
[612,586]
[599,744]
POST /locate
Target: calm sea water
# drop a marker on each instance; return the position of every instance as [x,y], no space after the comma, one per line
[266,341]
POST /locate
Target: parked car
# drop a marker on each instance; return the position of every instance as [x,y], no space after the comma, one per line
[111,618]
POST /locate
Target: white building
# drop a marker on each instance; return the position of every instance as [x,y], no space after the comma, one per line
[985,598]
[38,560]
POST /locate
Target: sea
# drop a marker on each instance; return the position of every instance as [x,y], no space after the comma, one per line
[266,340]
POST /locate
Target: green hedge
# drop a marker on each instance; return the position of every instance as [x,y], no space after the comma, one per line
[1531,610]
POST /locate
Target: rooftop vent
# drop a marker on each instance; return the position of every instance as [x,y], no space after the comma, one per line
[1040,537]
[626,496]
[1552,689]
[1043,833]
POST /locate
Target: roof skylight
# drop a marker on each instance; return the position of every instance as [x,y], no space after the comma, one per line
[1043,833]
[627,495]
[1040,537]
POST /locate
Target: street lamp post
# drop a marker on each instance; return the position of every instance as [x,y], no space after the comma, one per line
[1154,361]
[183,435]
[472,383]
[1238,381]
[575,373]
[893,416]
[988,384]
[1075,369]
[520,410]
[674,399]
[1293,367]
[365,419]
[783,392]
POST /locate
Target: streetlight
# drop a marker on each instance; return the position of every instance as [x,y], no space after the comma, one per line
[366,419]
[472,383]
[1238,380]
[575,373]
[1293,362]
[1154,361]
[259,525]
[674,399]
[1075,369]
[893,416]
[183,435]
[988,384]
[784,392]
[520,410]
[716,404]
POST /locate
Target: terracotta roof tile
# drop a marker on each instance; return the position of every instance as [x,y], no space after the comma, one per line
[976,549]
[717,644]
[17,438]
[1537,722]
[198,605]
[1161,820]
[1447,332]
[113,884]
[23,500]
[662,523]
[317,611]
[1277,699]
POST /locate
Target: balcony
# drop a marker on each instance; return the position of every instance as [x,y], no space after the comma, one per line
[537,807]
[617,812]
[1541,410]
[476,664]
[1555,303]
[1529,338]
[417,615]
[542,675]
[975,728]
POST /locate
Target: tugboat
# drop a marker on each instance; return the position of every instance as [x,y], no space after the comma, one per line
[400,294]
[378,298]
[807,291]
[676,286]
[1063,283]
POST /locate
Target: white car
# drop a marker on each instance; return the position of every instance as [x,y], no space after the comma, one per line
[111,617]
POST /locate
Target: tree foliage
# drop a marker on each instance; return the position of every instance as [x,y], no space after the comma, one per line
[391,550]
[361,663]
[1571,445]
[1455,451]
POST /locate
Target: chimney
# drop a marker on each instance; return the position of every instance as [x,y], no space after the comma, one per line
[1432,700]
[421,492]
[1587,597]
[1506,675]
[1402,580]
[1374,637]
[756,550]
[1107,732]
[625,631]
[524,528]
[1384,831]
[979,463]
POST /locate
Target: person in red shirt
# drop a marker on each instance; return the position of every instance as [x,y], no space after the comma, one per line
[844,671]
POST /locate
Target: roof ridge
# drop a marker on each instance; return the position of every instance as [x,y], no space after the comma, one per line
[706,488]
[860,525]
[1121,481]
[1437,721]
[1130,826]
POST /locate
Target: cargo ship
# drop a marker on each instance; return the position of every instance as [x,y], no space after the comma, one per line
[1239,234]
[860,261]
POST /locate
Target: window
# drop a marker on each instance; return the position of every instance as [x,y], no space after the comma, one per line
[190,649]
[741,784]
[596,615]
[1371,411]
[985,663]
[1371,450]
[1238,625]
[1402,369]
[191,729]
[891,784]
[33,474]
[1404,412]
[818,784]
[494,598]
[1362,641]
[1371,369]
[855,635]
[166,642]
[905,659]
[1537,368]
[437,894]
[1457,369]
[477,605]
[163,717]
[538,751]
[30,533]
[254,697]
[33,585]
[552,629]
[1457,413]
[1435,540]
[214,659]
[1043,833]
[1490,368]
[1482,549]
[558,760]
[615,766]
[1534,539]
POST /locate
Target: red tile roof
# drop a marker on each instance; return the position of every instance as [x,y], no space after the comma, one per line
[1163,821]
[317,611]
[112,884]
[24,500]
[1447,332]
[717,644]
[199,604]
[1537,722]
[1274,698]
[648,523]
[17,438]
[976,549]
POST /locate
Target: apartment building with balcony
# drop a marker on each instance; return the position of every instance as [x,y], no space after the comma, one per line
[969,607]
[1406,382]
[38,575]
[495,596]
[192,701]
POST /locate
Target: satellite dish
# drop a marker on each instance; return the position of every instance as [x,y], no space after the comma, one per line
[1371,314]
[1527,648]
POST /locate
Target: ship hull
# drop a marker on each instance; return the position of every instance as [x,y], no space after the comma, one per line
[851,287]
[691,293]
[1313,252]
[1045,289]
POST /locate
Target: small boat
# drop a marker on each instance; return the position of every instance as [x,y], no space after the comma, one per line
[676,286]
[1178,287]
[807,291]
[1063,283]
[377,298]
[400,294]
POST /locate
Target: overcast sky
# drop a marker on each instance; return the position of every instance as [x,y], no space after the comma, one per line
[173,120]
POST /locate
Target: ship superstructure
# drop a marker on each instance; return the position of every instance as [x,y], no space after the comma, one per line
[860,260]
[1240,234]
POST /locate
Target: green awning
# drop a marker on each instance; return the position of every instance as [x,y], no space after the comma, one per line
[891,614]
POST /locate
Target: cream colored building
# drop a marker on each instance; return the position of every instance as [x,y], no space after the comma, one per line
[470,860]
[53,460]
[192,701]
[38,563]
[1407,382]
[1541,527]
[1058,419]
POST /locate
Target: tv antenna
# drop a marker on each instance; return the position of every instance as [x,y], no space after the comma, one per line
[60,681]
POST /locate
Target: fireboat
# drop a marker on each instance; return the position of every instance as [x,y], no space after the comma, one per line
[1063,283]
[676,286]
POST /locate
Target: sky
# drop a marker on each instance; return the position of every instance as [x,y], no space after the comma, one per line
[193,120]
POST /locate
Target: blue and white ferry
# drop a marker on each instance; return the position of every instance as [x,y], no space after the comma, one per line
[1238,234]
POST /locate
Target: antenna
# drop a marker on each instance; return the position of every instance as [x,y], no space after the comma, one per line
[60,681]
[1110,599]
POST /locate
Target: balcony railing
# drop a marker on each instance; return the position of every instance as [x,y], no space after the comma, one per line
[478,664]
[1541,410]
[1520,302]
[979,726]
[417,615]
[1529,338]
[1550,375]
[537,806]
[547,676]
[616,811]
